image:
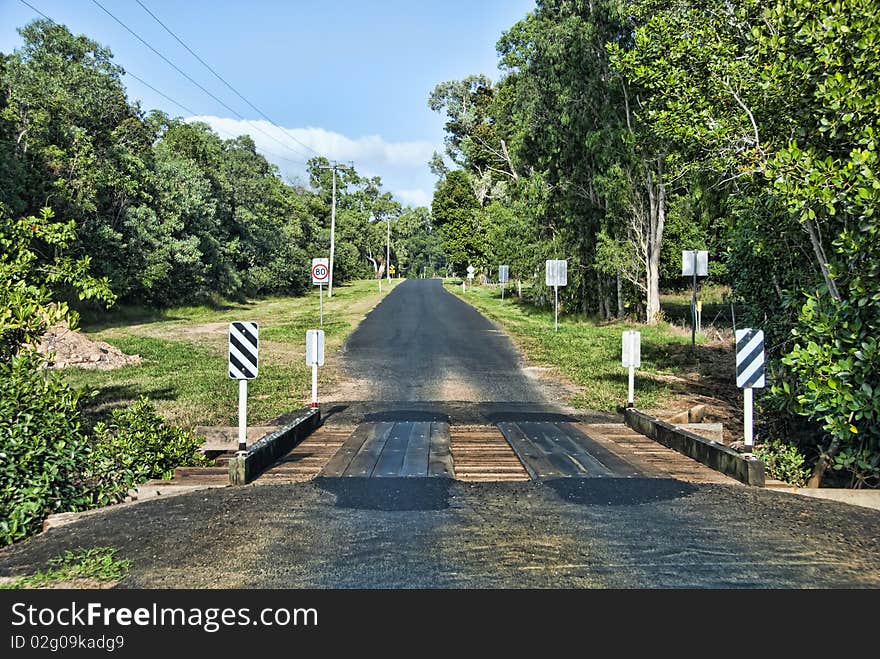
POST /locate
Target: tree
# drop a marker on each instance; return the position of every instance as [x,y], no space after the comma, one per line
[454,210]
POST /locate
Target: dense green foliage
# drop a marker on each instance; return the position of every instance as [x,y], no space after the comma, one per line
[35,270]
[623,131]
[137,445]
[168,211]
[783,462]
[44,449]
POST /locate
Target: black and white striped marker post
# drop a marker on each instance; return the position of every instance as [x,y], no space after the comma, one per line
[749,373]
[243,349]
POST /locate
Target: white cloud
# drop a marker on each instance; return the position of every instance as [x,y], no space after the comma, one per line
[417,197]
[398,163]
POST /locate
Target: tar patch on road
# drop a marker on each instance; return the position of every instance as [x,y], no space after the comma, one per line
[388,494]
[551,449]
[618,491]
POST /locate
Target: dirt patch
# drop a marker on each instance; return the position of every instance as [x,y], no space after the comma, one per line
[706,378]
[65,347]
[182,331]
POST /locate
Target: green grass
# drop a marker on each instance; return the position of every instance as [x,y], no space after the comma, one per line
[97,564]
[588,352]
[184,353]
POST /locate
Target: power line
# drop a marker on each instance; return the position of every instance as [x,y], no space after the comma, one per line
[185,75]
[171,100]
[223,80]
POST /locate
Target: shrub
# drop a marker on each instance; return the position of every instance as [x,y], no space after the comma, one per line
[784,462]
[137,445]
[43,449]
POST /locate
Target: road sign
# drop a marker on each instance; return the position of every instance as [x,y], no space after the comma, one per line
[243,349]
[556,275]
[694,262]
[315,348]
[632,349]
[556,272]
[749,358]
[320,271]
[503,274]
[631,359]
[470,271]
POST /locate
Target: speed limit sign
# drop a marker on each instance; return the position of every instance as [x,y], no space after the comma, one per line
[320,271]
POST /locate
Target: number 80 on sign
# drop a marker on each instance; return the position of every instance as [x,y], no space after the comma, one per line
[320,271]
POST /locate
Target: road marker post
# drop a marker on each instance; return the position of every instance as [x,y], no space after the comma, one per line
[244,346]
[321,276]
[631,358]
[314,358]
[694,263]
[749,374]
[503,277]
[556,275]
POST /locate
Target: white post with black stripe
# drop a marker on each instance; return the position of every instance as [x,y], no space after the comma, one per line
[244,346]
[749,373]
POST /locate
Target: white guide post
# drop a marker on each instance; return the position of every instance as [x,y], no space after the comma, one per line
[631,397]
[242,415]
[631,359]
[556,309]
[748,428]
[315,384]
[315,358]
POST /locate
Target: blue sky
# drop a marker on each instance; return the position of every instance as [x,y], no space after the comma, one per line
[349,79]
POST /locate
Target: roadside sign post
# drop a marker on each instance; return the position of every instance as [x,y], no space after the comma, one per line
[243,359]
[749,374]
[315,358]
[321,276]
[694,263]
[631,358]
[503,277]
[556,275]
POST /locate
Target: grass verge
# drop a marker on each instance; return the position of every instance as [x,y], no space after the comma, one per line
[84,568]
[587,353]
[184,353]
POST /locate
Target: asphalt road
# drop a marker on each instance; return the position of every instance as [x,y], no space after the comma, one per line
[431,353]
[424,344]
[435,532]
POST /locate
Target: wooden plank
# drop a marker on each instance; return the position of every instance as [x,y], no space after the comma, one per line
[390,460]
[415,462]
[568,459]
[359,457]
[534,459]
[616,464]
[337,465]
[440,455]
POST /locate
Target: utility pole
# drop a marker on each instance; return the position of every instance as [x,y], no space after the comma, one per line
[388,248]
[334,167]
